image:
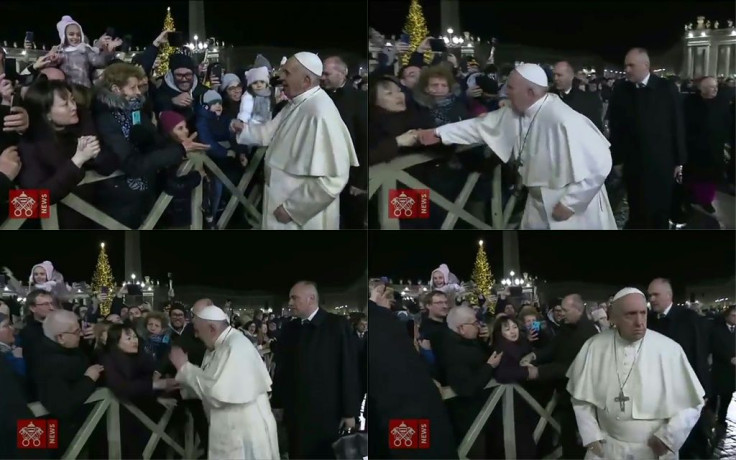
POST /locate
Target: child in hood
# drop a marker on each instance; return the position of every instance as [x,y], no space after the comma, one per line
[174,126]
[443,280]
[43,276]
[255,106]
[213,127]
[78,59]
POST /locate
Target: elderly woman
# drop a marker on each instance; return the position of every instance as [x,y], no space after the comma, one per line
[59,147]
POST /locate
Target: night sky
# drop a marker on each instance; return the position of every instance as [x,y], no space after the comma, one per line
[270,261]
[254,22]
[605,28]
[596,257]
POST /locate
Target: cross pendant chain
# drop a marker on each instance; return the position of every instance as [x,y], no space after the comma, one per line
[621,400]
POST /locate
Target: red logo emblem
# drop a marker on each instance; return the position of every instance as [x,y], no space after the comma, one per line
[38,434]
[408,434]
[29,204]
[408,204]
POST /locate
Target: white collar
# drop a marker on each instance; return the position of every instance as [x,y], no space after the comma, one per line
[534,108]
[567,91]
[311,317]
[667,310]
[625,343]
[223,336]
[305,95]
[644,82]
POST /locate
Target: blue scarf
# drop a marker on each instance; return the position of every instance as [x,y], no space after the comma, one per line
[124,118]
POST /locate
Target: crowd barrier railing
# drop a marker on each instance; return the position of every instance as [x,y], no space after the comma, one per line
[384,177]
[106,404]
[505,394]
[196,161]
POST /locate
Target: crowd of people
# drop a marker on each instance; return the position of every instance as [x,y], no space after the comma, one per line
[566,349]
[256,387]
[655,168]
[79,108]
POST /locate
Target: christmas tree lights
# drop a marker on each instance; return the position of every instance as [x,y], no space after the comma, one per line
[165,50]
[482,277]
[416,27]
[103,278]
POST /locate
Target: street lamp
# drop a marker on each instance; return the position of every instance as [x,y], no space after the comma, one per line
[102,245]
[132,276]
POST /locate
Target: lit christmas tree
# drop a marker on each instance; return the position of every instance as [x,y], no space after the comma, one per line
[482,277]
[416,27]
[165,50]
[103,279]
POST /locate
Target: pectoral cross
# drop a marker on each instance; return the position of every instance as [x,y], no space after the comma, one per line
[621,400]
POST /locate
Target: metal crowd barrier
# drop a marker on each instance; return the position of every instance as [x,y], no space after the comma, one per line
[386,176]
[106,404]
[505,394]
[196,161]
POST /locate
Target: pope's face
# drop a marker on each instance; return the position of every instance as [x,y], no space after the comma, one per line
[294,78]
[630,316]
[519,93]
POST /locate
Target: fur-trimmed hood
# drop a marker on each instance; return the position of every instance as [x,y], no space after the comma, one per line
[112,101]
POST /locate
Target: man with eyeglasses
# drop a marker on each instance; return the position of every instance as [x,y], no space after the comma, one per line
[181,89]
[468,364]
[64,376]
[40,303]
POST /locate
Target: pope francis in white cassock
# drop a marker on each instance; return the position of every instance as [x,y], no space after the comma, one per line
[233,384]
[563,159]
[633,391]
[309,154]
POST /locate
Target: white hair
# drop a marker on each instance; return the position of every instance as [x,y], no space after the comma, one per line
[57,322]
[459,315]
[538,90]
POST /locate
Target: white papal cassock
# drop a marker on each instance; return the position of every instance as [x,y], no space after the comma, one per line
[233,384]
[665,395]
[307,163]
[564,159]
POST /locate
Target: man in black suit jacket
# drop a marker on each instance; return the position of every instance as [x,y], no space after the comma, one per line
[566,86]
[723,348]
[689,330]
[316,379]
[647,141]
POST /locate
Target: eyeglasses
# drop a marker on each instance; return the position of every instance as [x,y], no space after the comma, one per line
[44,304]
[184,76]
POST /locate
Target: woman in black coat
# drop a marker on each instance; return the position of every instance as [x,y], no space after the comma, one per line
[129,374]
[508,339]
[52,152]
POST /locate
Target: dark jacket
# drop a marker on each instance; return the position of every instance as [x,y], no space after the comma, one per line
[213,129]
[384,127]
[353,107]
[688,329]
[464,362]
[554,360]
[31,338]
[168,91]
[723,347]
[588,104]
[401,388]
[316,382]
[13,407]
[63,388]
[709,124]
[136,160]
[129,377]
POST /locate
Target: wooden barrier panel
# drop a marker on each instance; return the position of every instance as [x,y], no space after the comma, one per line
[384,177]
[107,404]
[195,161]
[505,394]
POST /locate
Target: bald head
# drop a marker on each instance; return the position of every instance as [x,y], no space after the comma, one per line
[61,322]
[458,316]
[334,73]
[563,74]
[660,294]
[708,87]
[637,65]
[53,73]
[303,299]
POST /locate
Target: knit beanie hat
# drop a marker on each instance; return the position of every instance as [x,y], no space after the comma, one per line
[257,74]
[212,97]
[169,119]
[228,80]
[180,61]
[262,62]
